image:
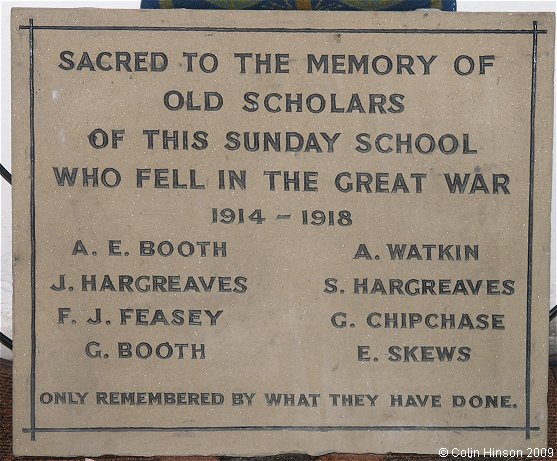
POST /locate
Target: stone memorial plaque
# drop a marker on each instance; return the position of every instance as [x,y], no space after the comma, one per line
[249,233]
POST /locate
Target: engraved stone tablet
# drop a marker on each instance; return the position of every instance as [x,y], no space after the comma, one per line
[248,233]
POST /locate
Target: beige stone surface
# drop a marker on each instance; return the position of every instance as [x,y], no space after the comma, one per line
[267,318]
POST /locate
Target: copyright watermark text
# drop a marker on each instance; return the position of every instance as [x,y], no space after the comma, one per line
[495,453]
